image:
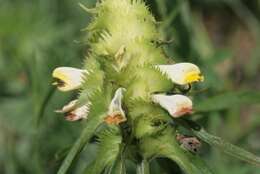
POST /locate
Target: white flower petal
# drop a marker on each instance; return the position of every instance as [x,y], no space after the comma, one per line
[182,73]
[68,107]
[176,105]
[79,113]
[116,114]
[68,78]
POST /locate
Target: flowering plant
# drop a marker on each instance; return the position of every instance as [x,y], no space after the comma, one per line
[132,97]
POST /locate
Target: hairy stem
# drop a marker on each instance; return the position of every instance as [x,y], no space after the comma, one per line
[143,167]
[85,136]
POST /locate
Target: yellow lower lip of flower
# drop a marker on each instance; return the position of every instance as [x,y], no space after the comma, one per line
[60,77]
[68,78]
[194,77]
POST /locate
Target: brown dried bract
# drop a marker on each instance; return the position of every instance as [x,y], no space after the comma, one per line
[71,117]
[184,111]
[115,119]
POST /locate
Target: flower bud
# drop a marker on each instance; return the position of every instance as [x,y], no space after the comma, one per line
[182,73]
[68,78]
[78,114]
[74,113]
[176,105]
[116,114]
[68,107]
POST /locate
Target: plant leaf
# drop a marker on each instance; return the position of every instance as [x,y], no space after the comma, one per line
[118,166]
[226,147]
[227,100]
[161,8]
[44,104]
[190,163]
[109,146]
[100,101]
[165,145]
[85,136]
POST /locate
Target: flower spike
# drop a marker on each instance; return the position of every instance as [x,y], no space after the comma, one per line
[68,78]
[176,105]
[182,73]
[116,114]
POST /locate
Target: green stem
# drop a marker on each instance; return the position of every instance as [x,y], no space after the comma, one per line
[84,138]
[162,8]
[119,164]
[170,18]
[44,104]
[143,167]
[215,141]
[175,153]
[189,163]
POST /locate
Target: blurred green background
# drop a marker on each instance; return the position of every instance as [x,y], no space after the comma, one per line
[221,36]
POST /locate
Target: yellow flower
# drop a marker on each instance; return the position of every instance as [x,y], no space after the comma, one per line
[116,114]
[176,105]
[182,73]
[68,78]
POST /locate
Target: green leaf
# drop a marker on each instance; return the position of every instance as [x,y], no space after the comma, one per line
[165,145]
[227,100]
[44,104]
[100,101]
[226,147]
[175,10]
[190,163]
[119,165]
[118,168]
[162,8]
[109,147]
[84,138]
[93,82]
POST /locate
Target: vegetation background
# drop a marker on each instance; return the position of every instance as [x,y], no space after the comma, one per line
[221,36]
